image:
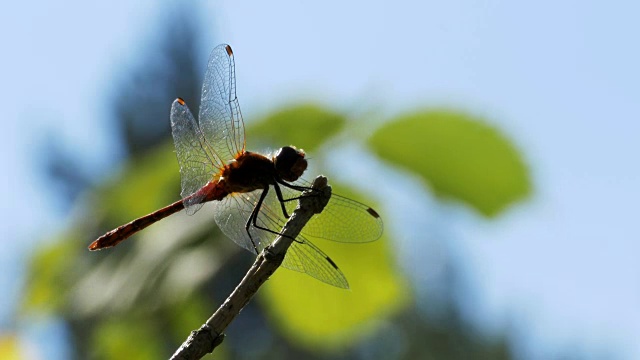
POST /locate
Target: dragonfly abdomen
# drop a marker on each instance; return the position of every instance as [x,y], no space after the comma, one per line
[115,236]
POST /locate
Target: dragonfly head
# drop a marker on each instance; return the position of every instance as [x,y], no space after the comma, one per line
[290,163]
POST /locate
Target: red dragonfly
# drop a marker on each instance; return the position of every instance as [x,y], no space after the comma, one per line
[214,166]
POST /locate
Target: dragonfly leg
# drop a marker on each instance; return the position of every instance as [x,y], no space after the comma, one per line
[294,187]
[254,217]
[275,232]
[281,199]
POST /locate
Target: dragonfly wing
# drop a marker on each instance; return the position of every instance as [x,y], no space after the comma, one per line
[345,220]
[342,220]
[194,155]
[307,258]
[231,215]
[220,116]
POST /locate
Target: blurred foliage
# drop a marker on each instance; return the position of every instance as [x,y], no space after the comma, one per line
[318,316]
[155,173]
[141,299]
[49,273]
[460,156]
[142,102]
[307,125]
[115,337]
[10,347]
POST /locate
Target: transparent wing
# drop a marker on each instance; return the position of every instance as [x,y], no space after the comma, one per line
[194,155]
[342,220]
[232,212]
[220,117]
[231,215]
[345,220]
[306,258]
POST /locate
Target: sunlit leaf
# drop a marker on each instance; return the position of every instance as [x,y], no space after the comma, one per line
[10,347]
[304,126]
[320,316]
[458,155]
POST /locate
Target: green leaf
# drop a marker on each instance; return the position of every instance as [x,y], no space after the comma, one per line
[306,126]
[458,155]
[185,315]
[323,317]
[50,274]
[10,348]
[147,183]
[130,338]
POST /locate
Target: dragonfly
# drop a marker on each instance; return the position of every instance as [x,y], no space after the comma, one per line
[252,194]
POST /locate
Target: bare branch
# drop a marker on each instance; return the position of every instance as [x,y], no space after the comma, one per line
[210,335]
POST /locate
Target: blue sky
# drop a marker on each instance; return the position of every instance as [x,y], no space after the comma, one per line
[561,79]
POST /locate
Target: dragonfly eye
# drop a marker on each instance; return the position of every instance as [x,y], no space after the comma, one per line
[290,163]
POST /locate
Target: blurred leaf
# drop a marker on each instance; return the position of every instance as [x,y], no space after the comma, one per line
[187,314]
[324,317]
[128,338]
[48,276]
[306,126]
[163,265]
[148,183]
[460,156]
[10,347]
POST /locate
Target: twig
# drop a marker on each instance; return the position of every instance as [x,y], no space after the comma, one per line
[210,335]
